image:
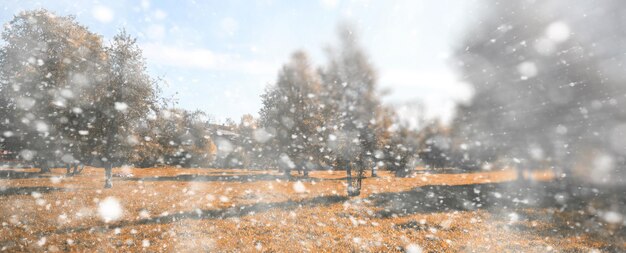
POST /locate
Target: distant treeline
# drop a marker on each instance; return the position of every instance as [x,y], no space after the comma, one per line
[69,98]
[547,94]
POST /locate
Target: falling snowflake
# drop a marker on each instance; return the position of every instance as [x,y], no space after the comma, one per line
[110,209]
[299,187]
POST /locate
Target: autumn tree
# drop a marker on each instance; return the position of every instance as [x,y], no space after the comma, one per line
[175,137]
[386,118]
[402,151]
[249,147]
[49,65]
[350,103]
[291,110]
[434,146]
[128,95]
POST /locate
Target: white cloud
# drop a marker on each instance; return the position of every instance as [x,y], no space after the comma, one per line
[202,58]
[102,13]
[145,4]
[229,26]
[159,14]
[330,4]
[439,90]
[156,32]
[179,57]
[410,83]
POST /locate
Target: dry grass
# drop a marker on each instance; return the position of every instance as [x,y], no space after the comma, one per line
[192,210]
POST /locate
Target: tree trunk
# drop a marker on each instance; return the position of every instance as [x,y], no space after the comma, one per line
[520,174]
[287,173]
[374,172]
[306,171]
[349,178]
[108,175]
[402,170]
[68,168]
[354,186]
[75,169]
[44,167]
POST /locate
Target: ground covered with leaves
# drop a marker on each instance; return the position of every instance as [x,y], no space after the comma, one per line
[191,210]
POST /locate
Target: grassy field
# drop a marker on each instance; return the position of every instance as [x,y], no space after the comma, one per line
[195,210]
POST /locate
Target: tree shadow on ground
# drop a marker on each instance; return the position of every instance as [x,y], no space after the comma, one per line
[234,172]
[433,198]
[574,224]
[445,171]
[511,194]
[558,209]
[579,213]
[13,174]
[28,190]
[230,178]
[232,212]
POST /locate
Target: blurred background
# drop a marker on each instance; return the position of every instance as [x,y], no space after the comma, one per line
[410,89]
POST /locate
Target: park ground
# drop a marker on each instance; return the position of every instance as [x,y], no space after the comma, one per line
[216,210]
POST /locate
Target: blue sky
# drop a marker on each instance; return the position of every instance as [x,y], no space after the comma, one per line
[218,56]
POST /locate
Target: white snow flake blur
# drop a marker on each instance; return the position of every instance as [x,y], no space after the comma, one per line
[299,187]
[102,13]
[313,126]
[110,209]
